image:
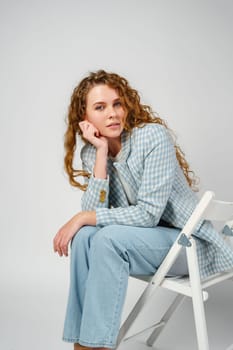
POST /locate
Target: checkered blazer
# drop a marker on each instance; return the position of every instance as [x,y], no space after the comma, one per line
[158,191]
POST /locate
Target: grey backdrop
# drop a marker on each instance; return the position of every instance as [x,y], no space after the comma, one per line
[178,54]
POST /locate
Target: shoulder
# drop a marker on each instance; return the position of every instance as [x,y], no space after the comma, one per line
[151,134]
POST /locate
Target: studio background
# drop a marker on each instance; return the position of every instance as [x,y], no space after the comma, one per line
[178,55]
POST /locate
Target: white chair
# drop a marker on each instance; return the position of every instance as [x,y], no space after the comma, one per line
[191,286]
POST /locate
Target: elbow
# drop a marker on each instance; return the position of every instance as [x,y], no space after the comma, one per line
[148,218]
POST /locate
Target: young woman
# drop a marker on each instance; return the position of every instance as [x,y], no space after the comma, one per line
[137,196]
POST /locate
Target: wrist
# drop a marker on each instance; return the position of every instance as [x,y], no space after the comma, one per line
[87,218]
[100,168]
[102,151]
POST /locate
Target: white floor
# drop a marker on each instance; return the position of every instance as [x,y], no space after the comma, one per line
[33,319]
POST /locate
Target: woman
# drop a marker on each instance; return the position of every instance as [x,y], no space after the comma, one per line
[137,196]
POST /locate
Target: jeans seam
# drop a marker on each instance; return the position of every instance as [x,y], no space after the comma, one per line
[116,309]
[86,343]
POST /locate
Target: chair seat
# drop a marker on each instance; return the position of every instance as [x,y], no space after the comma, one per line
[181,284]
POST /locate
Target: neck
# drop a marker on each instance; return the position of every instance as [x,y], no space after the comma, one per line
[114,147]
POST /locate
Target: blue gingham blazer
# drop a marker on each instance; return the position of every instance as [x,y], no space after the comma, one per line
[158,189]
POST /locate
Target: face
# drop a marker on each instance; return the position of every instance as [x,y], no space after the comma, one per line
[105,111]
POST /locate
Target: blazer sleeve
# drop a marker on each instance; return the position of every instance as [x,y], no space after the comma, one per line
[97,193]
[156,183]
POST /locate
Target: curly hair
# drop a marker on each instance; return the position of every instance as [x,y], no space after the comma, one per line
[138,115]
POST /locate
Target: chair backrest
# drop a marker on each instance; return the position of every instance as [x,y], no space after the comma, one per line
[207,209]
[220,211]
[210,209]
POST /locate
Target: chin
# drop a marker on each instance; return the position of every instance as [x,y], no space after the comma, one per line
[114,134]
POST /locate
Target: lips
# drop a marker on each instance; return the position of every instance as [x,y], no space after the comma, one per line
[113,125]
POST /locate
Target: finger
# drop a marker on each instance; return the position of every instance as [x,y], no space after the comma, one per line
[82,125]
[85,125]
[96,133]
[64,248]
[57,248]
[55,245]
[88,129]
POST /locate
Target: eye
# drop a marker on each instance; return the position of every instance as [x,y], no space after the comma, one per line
[117,104]
[99,108]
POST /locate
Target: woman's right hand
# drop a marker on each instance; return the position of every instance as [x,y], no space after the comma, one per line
[92,135]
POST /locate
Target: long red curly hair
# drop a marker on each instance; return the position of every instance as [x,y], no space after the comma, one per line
[137,115]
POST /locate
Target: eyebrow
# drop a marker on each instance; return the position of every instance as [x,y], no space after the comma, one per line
[99,102]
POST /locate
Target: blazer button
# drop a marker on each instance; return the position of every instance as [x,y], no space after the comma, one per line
[102,196]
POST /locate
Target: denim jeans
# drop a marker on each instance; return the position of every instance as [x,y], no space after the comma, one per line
[102,259]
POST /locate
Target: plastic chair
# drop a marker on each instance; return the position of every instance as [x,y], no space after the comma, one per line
[192,286]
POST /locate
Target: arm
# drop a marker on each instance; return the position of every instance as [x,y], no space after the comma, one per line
[92,135]
[67,231]
[156,183]
[97,191]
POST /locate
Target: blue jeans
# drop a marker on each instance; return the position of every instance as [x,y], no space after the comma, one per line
[101,261]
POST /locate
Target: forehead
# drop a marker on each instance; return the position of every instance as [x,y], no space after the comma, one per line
[101,93]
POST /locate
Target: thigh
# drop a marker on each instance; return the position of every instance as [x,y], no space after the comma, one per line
[83,237]
[144,248]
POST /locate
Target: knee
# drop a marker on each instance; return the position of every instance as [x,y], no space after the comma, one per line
[108,237]
[83,237]
[108,233]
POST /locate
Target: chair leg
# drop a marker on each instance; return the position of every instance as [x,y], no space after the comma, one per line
[163,321]
[197,298]
[134,312]
[200,323]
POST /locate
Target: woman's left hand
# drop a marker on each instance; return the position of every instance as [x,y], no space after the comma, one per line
[65,234]
[67,231]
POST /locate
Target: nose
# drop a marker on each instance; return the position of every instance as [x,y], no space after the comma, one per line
[112,112]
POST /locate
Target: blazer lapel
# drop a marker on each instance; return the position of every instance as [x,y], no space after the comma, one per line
[122,166]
